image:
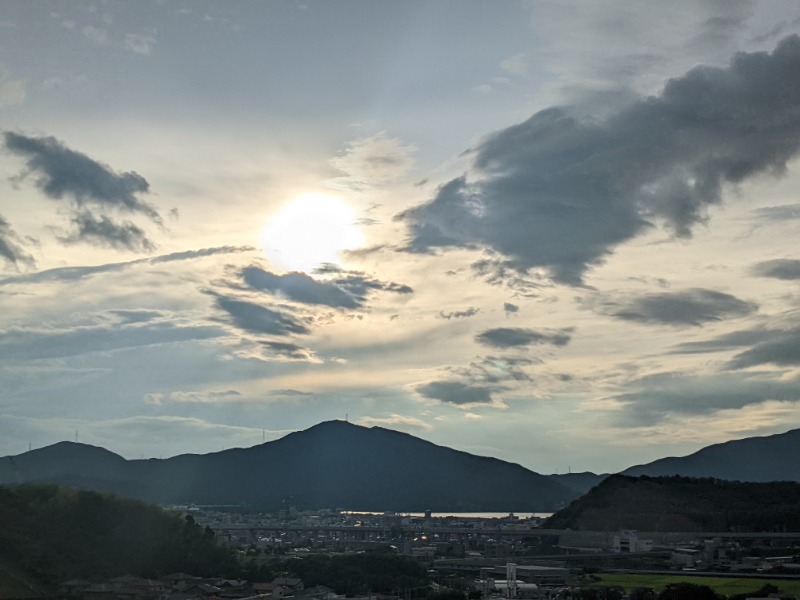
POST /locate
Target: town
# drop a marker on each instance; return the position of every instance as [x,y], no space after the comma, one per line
[480,556]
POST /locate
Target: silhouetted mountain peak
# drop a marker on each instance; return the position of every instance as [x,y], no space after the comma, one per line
[750,459]
[332,464]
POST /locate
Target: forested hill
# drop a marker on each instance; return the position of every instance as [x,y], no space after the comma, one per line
[51,534]
[683,504]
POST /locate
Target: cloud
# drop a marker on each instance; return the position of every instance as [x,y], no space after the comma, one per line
[593,59]
[288,350]
[10,246]
[455,392]
[781,268]
[459,314]
[784,212]
[193,397]
[514,337]
[70,274]
[509,308]
[396,420]
[694,306]
[782,350]
[66,173]
[140,43]
[359,285]
[345,289]
[372,161]
[62,173]
[254,318]
[33,343]
[95,35]
[558,193]
[201,253]
[299,287]
[734,339]
[660,396]
[103,231]
[496,369]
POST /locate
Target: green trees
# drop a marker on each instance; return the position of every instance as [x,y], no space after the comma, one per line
[687,591]
[361,573]
[55,534]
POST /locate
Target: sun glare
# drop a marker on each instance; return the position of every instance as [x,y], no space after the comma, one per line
[310,230]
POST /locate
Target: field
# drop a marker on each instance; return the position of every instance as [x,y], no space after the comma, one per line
[723,585]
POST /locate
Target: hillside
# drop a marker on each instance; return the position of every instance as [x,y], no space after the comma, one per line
[50,534]
[333,464]
[767,458]
[683,504]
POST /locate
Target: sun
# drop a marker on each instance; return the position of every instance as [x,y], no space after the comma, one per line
[312,229]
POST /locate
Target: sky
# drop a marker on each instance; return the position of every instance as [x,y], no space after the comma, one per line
[560,233]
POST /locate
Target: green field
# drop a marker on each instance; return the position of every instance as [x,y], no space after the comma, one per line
[722,585]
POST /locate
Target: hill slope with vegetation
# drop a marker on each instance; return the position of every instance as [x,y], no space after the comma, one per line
[52,534]
[683,504]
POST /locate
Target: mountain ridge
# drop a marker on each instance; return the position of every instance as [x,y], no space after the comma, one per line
[758,458]
[341,464]
[332,464]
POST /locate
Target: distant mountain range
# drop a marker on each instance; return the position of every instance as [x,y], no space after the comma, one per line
[333,464]
[339,464]
[769,458]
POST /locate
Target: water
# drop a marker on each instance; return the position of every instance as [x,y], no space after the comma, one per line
[460,515]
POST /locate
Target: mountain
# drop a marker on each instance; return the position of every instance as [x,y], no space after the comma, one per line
[683,504]
[580,483]
[769,458]
[333,464]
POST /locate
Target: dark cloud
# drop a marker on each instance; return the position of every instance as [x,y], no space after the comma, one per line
[459,314]
[345,289]
[782,350]
[254,318]
[694,306]
[62,173]
[497,369]
[103,231]
[559,194]
[735,339]
[781,268]
[359,285]
[657,397]
[509,308]
[511,337]
[287,350]
[11,246]
[299,287]
[455,392]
